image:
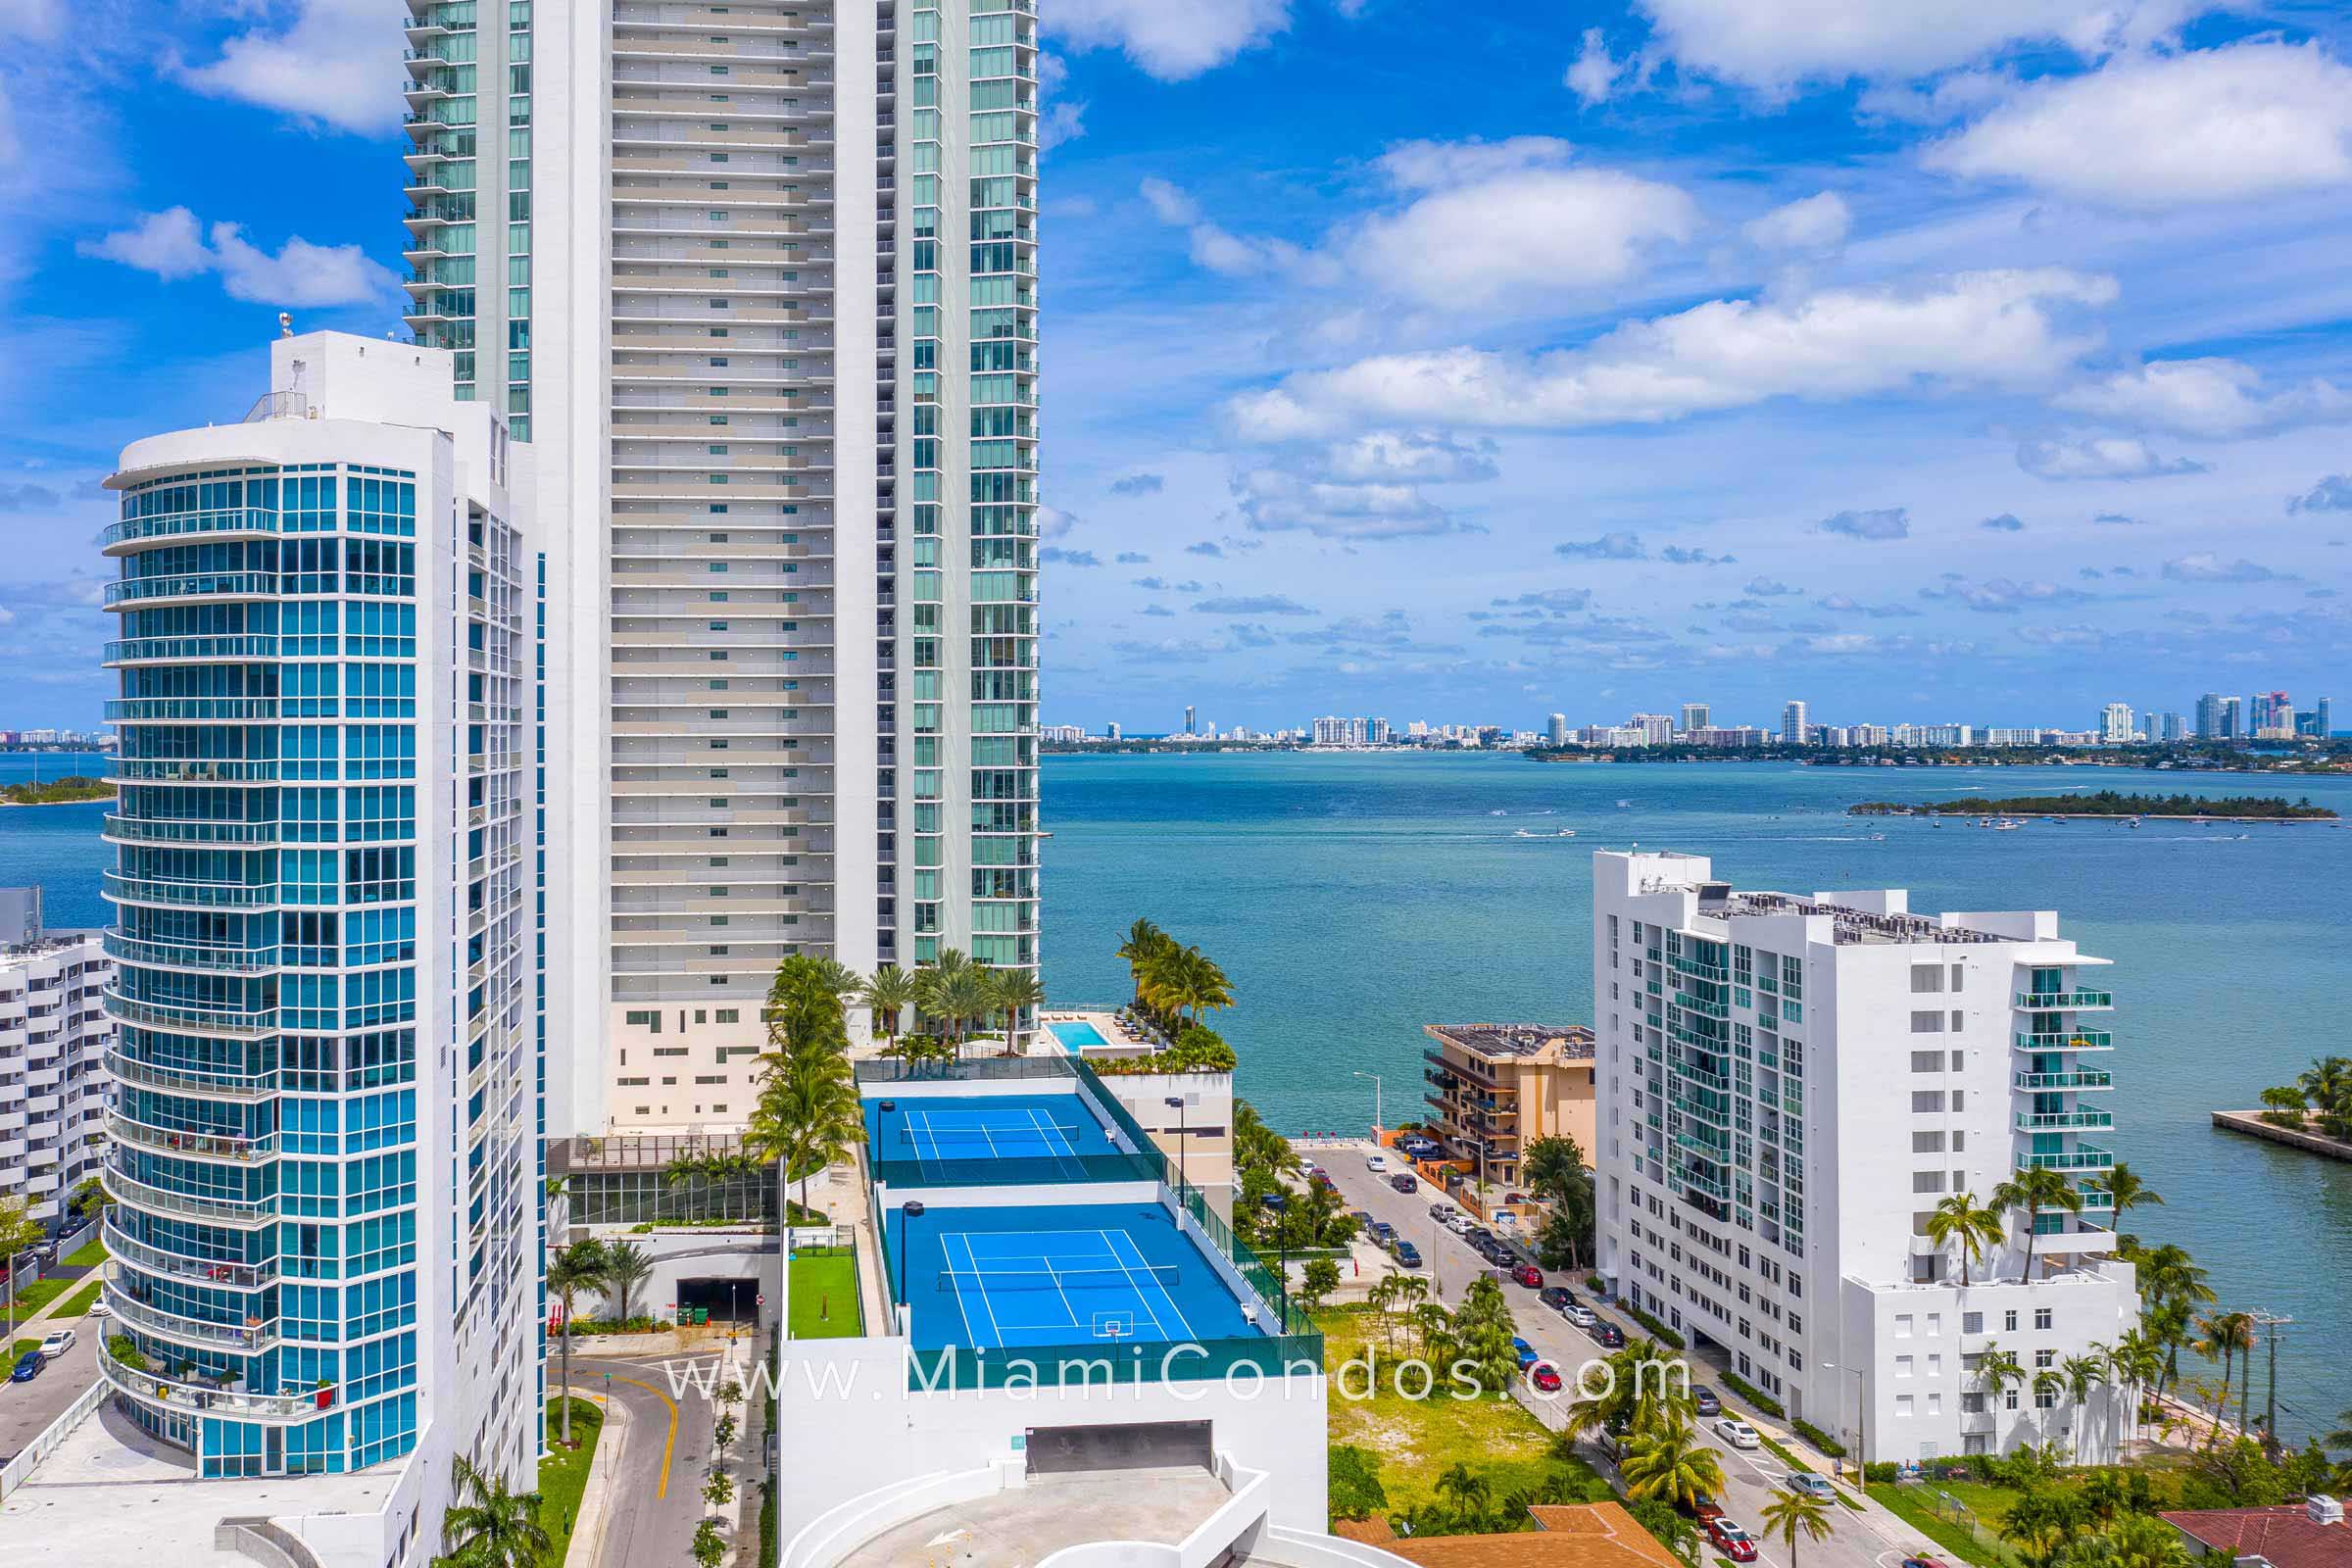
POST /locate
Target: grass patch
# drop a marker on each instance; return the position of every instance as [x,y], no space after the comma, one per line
[79,1304]
[89,1255]
[824,1297]
[564,1473]
[1415,1440]
[39,1294]
[1909,1505]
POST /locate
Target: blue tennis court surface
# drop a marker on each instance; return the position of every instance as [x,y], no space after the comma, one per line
[1052,1275]
[939,1131]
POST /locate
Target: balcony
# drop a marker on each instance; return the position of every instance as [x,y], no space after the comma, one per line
[189,1145]
[2063,1001]
[155,1390]
[2086,1157]
[2055,1082]
[2075,1040]
[149,1260]
[2063,1121]
[255,1335]
[243,1213]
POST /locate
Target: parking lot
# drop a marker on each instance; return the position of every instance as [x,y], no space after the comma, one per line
[1871,1539]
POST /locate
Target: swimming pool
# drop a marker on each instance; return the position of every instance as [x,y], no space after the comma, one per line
[1076,1034]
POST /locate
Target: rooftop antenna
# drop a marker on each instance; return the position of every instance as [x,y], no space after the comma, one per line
[286,323]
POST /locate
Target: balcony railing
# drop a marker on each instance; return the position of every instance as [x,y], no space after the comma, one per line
[176,1394]
[2075,1040]
[203,1271]
[2050,1082]
[2086,1157]
[2063,1001]
[2063,1121]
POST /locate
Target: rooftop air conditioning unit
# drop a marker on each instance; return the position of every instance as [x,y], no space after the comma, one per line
[2324,1510]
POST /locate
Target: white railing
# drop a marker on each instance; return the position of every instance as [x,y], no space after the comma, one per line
[19,1469]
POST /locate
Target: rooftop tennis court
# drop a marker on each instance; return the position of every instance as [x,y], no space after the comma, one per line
[1082,1274]
[950,1137]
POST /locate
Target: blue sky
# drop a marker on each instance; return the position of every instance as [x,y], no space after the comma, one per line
[1978,360]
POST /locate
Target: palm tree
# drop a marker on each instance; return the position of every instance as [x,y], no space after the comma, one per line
[1469,1490]
[1999,1370]
[2223,1336]
[627,1267]
[807,1116]
[1960,1217]
[2135,1360]
[1144,938]
[2327,1084]
[1671,1463]
[1015,991]
[19,1230]
[492,1527]
[2028,1192]
[2080,1374]
[1791,1513]
[576,1269]
[2125,1190]
[887,997]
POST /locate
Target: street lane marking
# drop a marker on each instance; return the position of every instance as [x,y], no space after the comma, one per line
[670,1443]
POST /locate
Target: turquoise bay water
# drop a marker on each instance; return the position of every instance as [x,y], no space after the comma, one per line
[1353,899]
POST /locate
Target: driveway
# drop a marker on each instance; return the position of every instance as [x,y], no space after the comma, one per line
[27,1408]
[655,1499]
[1871,1539]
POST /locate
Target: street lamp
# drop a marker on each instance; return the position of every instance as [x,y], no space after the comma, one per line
[911,1211]
[1175,1103]
[1376,1116]
[1861,1420]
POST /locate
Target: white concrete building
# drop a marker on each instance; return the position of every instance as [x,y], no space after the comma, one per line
[54,1033]
[1788,1086]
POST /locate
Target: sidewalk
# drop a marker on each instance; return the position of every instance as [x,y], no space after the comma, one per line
[588,1530]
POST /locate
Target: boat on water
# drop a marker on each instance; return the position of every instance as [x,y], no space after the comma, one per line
[1625,806]
[2008,824]
[1878,837]
[1559,833]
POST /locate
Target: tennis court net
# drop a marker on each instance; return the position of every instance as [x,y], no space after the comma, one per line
[1058,1279]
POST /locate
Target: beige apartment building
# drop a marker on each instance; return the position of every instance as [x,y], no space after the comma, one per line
[1496,1088]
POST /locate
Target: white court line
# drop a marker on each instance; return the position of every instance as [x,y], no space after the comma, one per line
[1184,1322]
[984,1303]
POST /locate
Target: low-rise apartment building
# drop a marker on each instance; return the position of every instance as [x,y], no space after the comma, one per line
[1495,1089]
[54,1033]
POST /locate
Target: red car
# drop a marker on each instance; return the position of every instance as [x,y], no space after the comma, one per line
[1732,1540]
[1545,1377]
[1704,1508]
[1528,1275]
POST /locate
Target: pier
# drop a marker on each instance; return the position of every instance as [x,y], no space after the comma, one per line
[2250,1122]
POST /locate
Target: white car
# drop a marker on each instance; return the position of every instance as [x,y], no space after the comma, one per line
[1377,1165]
[57,1344]
[1738,1433]
[99,1308]
[1578,1313]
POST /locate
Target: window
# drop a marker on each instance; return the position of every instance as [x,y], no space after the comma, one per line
[1934,1325]
[1902,1405]
[1959,1058]
[1926,978]
[1927,1023]
[2008,1322]
[1971,1322]
[1925,1100]
[1902,1366]
[2041,1317]
[1926,1181]
[1934,1405]
[1902,1325]
[1927,1142]
[1957,972]
[1957,1022]
[1927,1062]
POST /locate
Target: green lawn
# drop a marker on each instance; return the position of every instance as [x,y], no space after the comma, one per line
[564,1473]
[1414,1440]
[20,1347]
[79,1304]
[39,1294]
[1990,1504]
[89,1255]
[824,1295]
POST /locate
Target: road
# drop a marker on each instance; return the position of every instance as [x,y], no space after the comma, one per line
[1873,1539]
[654,1500]
[27,1408]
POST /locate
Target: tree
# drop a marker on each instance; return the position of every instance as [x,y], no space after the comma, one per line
[1555,1170]
[490,1526]
[90,1198]
[1961,1218]
[886,998]
[952,991]
[627,1267]
[1319,1279]
[1668,1460]
[2225,1337]
[1641,1393]
[2125,1190]
[1483,1325]
[2041,1523]
[1791,1514]
[2028,1192]
[1999,1370]
[1015,991]
[2078,1375]
[802,1011]
[2288,1107]
[1354,1488]
[2135,1360]
[19,1230]
[1144,939]
[576,1269]
[1673,1531]
[807,1116]
[2127,1540]
[1467,1489]
[709,1548]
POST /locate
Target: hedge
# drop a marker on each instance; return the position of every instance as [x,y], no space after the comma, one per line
[1754,1395]
[1819,1439]
[1657,1330]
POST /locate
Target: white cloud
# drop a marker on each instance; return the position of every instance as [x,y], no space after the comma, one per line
[1276,502]
[1063,122]
[336,62]
[2212,397]
[2210,567]
[1172,42]
[1435,165]
[1817,222]
[168,245]
[2103,457]
[2157,131]
[1776,44]
[30,19]
[1994,328]
[1215,248]
[1878,524]
[1594,74]
[1395,454]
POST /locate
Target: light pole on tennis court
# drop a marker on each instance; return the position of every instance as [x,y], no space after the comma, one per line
[907,1215]
[1176,1104]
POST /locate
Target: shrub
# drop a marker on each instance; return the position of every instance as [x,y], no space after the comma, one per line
[1657,1330]
[1354,1485]
[1754,1395]
[1596,1285]
[1819,1439]
[1881,1470]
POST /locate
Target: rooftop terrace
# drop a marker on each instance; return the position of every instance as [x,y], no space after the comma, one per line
[1517,1041]
[1851,925]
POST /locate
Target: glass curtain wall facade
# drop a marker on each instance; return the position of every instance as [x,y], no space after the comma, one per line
[468,181]
[322,1140]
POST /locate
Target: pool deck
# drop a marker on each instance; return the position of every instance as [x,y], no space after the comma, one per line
[1117,1038]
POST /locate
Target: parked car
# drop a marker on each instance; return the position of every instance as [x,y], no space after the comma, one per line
[1578,1315]
[1732,1540]
[57,1344]
[1407,1255]
[1525,1351]
[1545,1377]
[1363,1219]
[1382,1232]
[1738,1433]
[1404,1182]
[1442,1213]
[1704,1508]
[1924,1562]
[1378,1165]
[1555,1297]
[28,1366]
[1607,1335]
[1703,1400]
[1417,1146]
[1528,1275]
[99,1308]
[1811,1485]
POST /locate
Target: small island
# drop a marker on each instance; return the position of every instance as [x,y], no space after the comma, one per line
[2110,803]
[57,790]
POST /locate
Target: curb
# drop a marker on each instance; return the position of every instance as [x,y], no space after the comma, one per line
[588,1530]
